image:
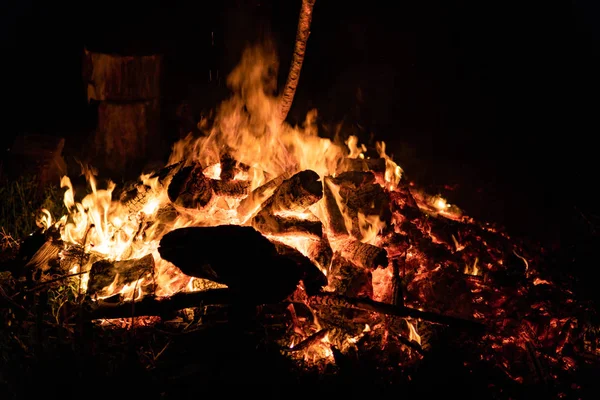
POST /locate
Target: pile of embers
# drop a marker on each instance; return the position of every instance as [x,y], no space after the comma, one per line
[332,270]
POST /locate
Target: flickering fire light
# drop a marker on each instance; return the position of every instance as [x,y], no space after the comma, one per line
[376,238]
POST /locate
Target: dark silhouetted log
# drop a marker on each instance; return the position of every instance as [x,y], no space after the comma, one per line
[326,300]
[295,194]
[105,272]
[230,188]
[190,188]
[253,201]
[236,256]
[275,225]
[313,278]
[364,255]
[153,306]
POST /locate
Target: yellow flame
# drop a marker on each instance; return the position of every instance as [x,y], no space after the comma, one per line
[246,127]
[472,269]
[412,333]
[370,226]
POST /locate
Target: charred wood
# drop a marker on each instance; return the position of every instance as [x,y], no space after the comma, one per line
[335,221]
[190,188]
[364,255]
[230,188]
[349,280]
[376,165]
[103,273]
[272,224]
[320,252]
[355,178]
[230,167]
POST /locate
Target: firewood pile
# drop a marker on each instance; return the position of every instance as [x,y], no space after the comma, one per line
[330,267]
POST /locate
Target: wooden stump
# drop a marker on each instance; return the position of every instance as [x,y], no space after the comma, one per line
[38,155]
[128,89]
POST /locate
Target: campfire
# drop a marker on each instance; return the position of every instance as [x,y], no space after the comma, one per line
[323,243]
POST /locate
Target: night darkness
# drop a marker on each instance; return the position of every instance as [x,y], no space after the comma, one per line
[498,97]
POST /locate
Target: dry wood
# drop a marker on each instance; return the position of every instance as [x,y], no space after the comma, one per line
[336,301]
[190,188]
[105,272]
[275,225]
[287,97]
[364,255]
[260,194]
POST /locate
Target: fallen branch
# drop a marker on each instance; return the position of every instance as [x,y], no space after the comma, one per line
[152,306]
[333,300]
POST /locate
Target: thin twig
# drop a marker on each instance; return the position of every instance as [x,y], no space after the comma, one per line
[60,278]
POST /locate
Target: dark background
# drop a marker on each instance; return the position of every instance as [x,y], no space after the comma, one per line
[497,97]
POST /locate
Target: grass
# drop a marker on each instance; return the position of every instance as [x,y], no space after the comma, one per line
[20,202]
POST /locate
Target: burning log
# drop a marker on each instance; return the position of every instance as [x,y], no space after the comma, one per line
[320,253]
[376,165]
[254,270]
[190,188]
[230,167]
[230,188]
[335,219]
[349,280]
[364,255]
[309,341]
[296,194]
[276,225]
[103,273]
[260,194]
